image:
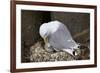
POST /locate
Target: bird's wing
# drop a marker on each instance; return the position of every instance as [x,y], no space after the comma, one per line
[61,39]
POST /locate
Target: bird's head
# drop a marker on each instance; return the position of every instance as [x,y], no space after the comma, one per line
[44,31]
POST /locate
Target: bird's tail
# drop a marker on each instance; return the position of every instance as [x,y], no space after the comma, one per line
[70,51]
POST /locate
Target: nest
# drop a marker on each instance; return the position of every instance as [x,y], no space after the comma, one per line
[38,53]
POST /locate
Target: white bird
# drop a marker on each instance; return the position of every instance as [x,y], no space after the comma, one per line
[57,37]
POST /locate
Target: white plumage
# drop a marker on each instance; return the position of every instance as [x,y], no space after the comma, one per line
[58,36]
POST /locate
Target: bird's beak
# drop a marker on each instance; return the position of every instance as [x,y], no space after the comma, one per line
[45,40]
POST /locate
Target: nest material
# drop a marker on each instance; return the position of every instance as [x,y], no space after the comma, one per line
[39,54]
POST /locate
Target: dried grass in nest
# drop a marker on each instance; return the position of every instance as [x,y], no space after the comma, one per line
[39,54]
